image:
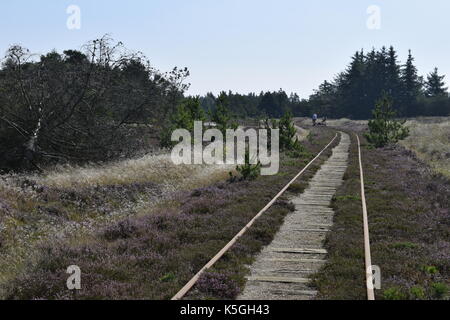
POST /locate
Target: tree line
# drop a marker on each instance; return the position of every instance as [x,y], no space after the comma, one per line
[353,93]
[78,106]
[102,102]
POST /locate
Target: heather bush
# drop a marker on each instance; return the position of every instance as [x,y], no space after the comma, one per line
[296,187]
[217,285]
[122,230]
[207,200]
[299,152]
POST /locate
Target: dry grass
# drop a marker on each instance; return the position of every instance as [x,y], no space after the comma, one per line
[69,201]
[346,124]
[357,125]
[302,134]
[430,141]
[429,138]
[157,169]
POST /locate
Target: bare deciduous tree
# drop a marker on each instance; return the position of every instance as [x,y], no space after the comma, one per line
[77,105]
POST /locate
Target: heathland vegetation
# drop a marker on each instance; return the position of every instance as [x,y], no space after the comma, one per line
[408,207]
[80,182]
[80,106]
[138,228]
[428,139]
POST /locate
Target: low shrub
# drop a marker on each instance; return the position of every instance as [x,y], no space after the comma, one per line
[418,293]
[394,294]
[217,285]
[249,171]
[430,269]
[440,290]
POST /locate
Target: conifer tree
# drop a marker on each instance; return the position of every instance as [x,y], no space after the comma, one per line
[383,128]
[393,83]
[435,85]
[288,134]
[353,87]
[411,86]
[188,111]
[222,116]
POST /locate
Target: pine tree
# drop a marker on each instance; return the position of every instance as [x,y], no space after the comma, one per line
[435,85]
[353,90]
[282,102]
[382,58]
[266,105]
[288,134]
[274,104]
[188,111]
[222,116]
[411,86]
[324,99]
[374,80]
[383,128]
[393,83]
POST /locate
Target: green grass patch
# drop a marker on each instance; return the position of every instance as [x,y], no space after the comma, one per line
[404,245]
[347,198]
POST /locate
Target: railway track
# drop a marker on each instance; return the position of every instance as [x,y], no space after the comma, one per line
[281,270]
[367,253]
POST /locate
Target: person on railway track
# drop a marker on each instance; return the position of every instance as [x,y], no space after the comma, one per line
[314,119]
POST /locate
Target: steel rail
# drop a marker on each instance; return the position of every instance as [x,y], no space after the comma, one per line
[367,254]
[193,281]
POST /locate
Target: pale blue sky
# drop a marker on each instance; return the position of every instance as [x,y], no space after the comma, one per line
[240,45]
